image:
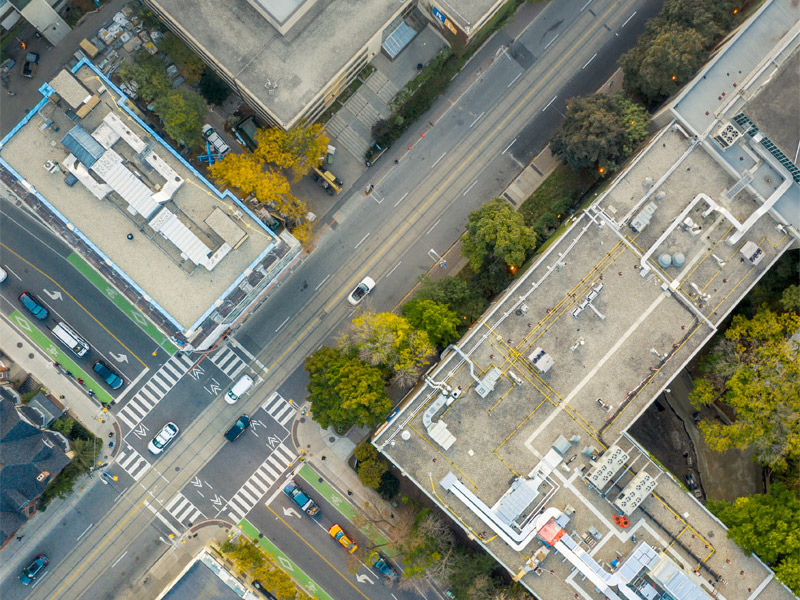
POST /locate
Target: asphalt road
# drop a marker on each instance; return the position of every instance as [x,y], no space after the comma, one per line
[501,112]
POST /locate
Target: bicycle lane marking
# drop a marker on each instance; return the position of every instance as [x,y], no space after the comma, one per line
[285,563]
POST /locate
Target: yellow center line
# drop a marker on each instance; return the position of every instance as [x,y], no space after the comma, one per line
[292,529]
[71,297]
[100,547]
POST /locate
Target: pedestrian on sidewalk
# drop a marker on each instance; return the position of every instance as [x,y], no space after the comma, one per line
[10,93]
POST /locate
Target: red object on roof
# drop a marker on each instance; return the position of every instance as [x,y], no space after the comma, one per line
[551,532]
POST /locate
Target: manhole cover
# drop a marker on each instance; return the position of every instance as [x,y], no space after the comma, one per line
[177,469]
[19,344]
[302,419]
[460,122]
[30,355]
[331,439]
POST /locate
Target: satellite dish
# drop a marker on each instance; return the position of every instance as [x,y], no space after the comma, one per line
[405,435]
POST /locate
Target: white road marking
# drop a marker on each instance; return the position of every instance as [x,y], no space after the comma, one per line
[322,282]
[514,141]
[282,324]
[392,271]
[553,40]
[478,118]
[585,5]
[114,564]
[549,103]
[432,226]
[84,532]
[438,159]
[470,187]
[14,274]
[588,61]
[628,19]
[361,242]
[513,80]
[401,199]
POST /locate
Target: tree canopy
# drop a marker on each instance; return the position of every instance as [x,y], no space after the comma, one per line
[148,72]
[437,320]
[496,232]
[181,112]
[344,390]
[212,88]
[297,150]
[455,293]
[766,525]
[755,370]
[189,64]
[600,131]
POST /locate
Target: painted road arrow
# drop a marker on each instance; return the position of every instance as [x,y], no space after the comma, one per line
[290,511]
[363,578]
[53,295]
[120,358]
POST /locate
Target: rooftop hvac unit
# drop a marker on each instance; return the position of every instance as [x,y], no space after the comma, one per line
[486,385]
[51,166]
[727,135]
[752,253]
[541,360]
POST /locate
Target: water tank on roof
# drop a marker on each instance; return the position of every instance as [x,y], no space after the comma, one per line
[664,260]
[678,259]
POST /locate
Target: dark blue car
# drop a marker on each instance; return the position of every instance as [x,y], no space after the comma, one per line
[30,572]
[108,374]
[33,306]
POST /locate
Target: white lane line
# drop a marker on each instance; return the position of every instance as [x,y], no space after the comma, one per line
[401,199]
[84,532]
[432,226]
[588,61]
[438,159]
[513,80]
[551,41]
[39,579]
[585,5]
[281,325]
[119,559]
[361,242]
[201,495]
[322,282]
[14,274]
[478,118]
[374,197]
[629,18]
[514,141]
[549,103]
[470,187]
[392,271]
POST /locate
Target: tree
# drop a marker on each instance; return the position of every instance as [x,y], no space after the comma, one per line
[710,18]
[344,390]
[790,298]
[370,465]
[456,294]
[437,320]
[63,425]
[758,374]
[663,60]
[212,88]
[181,112]
[495,231]
[191,66]
[389,340]
[148,72]
[298,149]
[600,131]
[766,525]
[472,577]
[429,549]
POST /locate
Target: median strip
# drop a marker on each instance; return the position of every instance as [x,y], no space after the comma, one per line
[121,302]
[56,355]
[285,563]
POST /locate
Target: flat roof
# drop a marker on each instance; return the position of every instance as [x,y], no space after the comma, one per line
[466,14]
[205,577]
[169,267]
[302,63]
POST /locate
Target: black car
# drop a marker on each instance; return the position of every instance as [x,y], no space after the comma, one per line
[265,593]
[237,428]
[690,481]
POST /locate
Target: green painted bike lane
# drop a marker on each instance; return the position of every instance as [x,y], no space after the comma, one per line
[121,302]
[373,534]
[285,563]
[57,355]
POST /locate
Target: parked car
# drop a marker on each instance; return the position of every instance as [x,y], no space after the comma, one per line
[361,291]
[168,433]
[108,374]
[3,274]
[691,483]
[237,428]
[340,536]
[7,65]
[240,387]
[215,139]
[32,571]
[306,504]
[264,592]
[383,566]
[30,302]
[30,65]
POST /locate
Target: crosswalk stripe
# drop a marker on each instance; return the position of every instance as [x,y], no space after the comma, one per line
[246,496]
[258,486]
[121,416]
[269,472]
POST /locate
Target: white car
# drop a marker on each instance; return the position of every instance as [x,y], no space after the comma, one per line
[215,139]
[168,433]
[362,290]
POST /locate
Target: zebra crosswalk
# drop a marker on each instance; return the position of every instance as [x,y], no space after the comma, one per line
[133,463]
[154,390]
[228,362]
[186,513]
[259,483]
[279,409]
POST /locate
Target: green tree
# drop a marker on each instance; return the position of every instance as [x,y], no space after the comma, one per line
[756,373]
[496,232]
[389,340]
[457,295]
[710,18]
[190,65]
[663,60]
[790,298]
[213,89]
[63,425]
[345,391]
[437,320]
[371,466]
[472,577]
[181,112]
[766,525]
[148,72]
[600,131]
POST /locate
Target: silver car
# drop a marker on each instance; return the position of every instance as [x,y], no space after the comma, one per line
[168,433]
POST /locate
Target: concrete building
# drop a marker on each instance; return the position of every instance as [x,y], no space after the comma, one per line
[41,14]
[193,258]
[521,432]
[289,59]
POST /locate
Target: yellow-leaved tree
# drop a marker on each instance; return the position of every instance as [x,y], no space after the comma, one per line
[297,150]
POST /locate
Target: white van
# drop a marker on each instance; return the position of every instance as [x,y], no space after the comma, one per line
[68,336]
[239,388]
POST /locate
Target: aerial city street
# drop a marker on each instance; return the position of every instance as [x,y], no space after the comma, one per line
[337,299]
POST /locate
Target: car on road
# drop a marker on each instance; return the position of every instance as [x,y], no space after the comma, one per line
[379,561]
[32,571]
[361,291]
[296,493]
[3,274]
[108,375]
[340,536]
[240,387]
[264,592]
[237,428]
[168,433]
[30,302]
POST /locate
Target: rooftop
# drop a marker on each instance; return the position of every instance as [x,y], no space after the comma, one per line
[302,61]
